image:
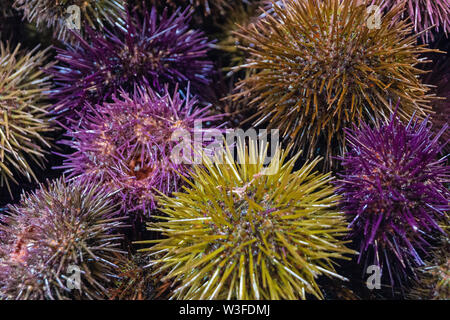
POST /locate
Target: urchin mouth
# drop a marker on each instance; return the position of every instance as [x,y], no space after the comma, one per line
[142,173]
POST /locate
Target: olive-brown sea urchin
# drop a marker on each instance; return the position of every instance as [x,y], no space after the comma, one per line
[24,119]
[135,282]
[54,232]
[229,43]
[244,231]
[320,67]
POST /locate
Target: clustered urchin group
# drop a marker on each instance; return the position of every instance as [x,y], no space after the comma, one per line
[129,144]
[135,117]
[24,118]
[394,192]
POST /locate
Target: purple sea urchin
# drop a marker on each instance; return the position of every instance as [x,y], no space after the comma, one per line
[56,13]
[393,188]
[157,50]
[245,231]
[128,144]
[24,119]
[319,68]
[53,232]
[426,15]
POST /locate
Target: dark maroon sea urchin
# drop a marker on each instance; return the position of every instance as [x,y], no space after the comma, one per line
[128,144]
[394,192]
[158,50]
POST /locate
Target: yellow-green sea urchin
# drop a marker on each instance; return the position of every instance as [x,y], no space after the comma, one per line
[23,112]
[244,231]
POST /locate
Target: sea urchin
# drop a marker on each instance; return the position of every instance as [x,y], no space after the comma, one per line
[52,233]
[128,144]
[434,278]
[157,50]
[245,231]
[320,67]
[394,193]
